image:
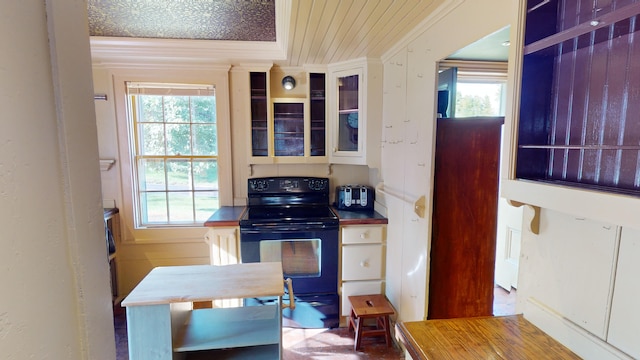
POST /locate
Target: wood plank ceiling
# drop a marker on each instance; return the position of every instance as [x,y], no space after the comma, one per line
[328,31]
[308,32]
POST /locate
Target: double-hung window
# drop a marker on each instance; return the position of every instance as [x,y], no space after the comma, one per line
[174,153]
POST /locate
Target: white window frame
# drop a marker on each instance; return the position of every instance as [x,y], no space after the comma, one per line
[206,75]
[480,72]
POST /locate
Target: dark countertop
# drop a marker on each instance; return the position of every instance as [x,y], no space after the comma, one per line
[225,216]
[369,217]
[230,216]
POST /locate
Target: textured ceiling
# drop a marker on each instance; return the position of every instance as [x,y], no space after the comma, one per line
[245,20]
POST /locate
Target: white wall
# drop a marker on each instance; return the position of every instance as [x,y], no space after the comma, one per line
[56,300]
[410,82]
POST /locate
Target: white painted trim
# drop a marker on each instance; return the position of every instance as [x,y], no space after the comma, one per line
[577,339]
[617,209]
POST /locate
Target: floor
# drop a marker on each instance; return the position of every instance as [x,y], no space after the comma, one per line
[321,344]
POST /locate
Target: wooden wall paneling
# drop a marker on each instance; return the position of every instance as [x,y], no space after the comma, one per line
[587,139]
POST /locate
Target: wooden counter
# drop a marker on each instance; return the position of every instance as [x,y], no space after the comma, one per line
[502,337]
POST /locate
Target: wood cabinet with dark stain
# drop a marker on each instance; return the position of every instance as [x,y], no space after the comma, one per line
[580,95]
[465,205]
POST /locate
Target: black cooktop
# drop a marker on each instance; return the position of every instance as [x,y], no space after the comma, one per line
[288,200]
[303,212]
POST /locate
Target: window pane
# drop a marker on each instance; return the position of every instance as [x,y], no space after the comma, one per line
[176,109]
[206,203]
[203,109]
[178,139]
[479,99]
[205,141]
[179,174]
[152,139]
[149,108]
[181,205]
[205,175]
[154,207]
[151,175]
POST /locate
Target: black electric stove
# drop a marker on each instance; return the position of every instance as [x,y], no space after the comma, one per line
[288,219]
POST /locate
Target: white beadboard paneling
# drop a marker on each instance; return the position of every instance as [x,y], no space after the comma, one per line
[569,268]
[624,325]
[329,31]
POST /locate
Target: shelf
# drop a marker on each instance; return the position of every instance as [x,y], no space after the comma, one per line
[207,329]
[582,147]
[263,352]
[584,28]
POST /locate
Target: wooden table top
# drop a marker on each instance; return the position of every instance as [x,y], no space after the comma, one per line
[502,337]
[171,284]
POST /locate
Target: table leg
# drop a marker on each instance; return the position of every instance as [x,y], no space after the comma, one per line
[149,332]
[359,328]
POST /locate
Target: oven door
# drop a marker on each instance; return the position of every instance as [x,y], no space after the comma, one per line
[309,256]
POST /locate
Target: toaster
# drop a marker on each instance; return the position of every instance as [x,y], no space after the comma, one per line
[354,197]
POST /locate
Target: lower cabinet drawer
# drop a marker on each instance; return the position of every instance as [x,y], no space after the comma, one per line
[362,262]
[353,288]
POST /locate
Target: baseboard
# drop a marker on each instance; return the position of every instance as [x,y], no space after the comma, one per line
[580,341]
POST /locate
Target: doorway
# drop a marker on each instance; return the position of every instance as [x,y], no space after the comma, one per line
[475,65]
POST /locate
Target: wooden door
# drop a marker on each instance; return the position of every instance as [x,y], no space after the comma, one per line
[464,219]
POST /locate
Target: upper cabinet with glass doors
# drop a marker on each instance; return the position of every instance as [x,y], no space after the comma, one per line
[355,107]
[287,125]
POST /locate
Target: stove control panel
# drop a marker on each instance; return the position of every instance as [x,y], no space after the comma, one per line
[318,184]
[258,185]
[284,185]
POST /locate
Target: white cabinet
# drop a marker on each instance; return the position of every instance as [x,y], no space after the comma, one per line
[624,325]
[362,261]
[569,267]
[355,112]
[223,245]
[224,249]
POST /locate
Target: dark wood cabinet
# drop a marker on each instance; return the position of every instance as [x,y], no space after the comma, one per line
[318,111]
[580,95]
[290,127]
[259,119]
[465,205]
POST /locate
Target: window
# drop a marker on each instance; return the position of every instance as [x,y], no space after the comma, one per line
[485,98]
[174,153]
[472,88]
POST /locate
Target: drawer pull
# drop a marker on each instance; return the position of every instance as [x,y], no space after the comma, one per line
[364,235]
[364,263]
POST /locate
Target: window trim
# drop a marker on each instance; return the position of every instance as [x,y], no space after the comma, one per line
[218,75]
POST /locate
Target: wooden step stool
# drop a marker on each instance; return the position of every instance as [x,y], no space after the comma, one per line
[370,307]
